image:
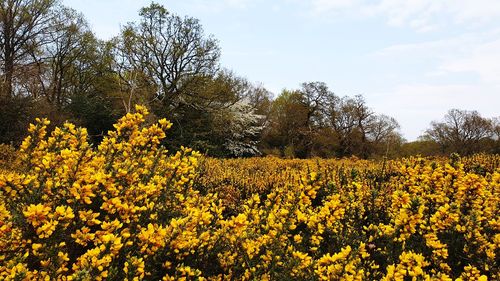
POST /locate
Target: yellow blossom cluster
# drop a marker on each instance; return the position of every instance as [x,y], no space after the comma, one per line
[128,209]
[350,219]
[125,209]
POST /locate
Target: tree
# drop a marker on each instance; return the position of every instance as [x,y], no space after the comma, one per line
[260,100]
[172,51]
[313,121]
[359,130]
[351,119]
[240,122]
[93,87]
[496,134]
[364,117]
[316,97]
[240,128]
[287,120]
[496,127]
[297,118]
[22,26]
[198,123]
[461,131]
[74,77]
[69,42]
[382,135]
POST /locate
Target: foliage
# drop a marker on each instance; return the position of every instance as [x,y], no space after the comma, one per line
[241,129]
[115,211]
[221,119]
[23,24]
[171,51]
[52,65]
[127,210]
[8,156]
[15,115]
[462,131]
[313,121]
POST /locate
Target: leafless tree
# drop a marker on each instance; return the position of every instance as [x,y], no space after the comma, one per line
[22,24]
[461,131]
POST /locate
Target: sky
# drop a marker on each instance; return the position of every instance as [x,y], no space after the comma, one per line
[411,59]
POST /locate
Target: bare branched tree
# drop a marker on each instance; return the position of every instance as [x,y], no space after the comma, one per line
[461,131]
[22,26]
[172,51]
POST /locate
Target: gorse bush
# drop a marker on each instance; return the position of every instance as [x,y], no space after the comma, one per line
[129,210]
[410,219]
[7,156]
[122,210]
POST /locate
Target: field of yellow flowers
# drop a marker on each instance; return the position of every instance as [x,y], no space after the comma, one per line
[127,209]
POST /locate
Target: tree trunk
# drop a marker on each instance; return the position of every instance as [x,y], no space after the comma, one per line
[8,54]
[9,74]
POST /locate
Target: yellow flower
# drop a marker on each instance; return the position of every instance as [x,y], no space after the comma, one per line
[37,214]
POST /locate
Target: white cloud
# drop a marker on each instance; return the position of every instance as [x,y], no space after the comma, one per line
[435,48]
[478,10]
[468,53]
[320,6]
[410,12]
[421,15]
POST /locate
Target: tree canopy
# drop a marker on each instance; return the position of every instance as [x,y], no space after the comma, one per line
[52,65]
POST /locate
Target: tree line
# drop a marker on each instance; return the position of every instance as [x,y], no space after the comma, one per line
[53,65]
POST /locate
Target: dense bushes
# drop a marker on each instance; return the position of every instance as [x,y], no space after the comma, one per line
[115,211]
[127,209]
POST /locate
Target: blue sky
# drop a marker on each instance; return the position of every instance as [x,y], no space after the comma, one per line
[410,59]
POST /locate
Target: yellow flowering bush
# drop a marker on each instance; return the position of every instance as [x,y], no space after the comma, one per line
[122,210]
[319,219]
[8,157]
[127,209]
